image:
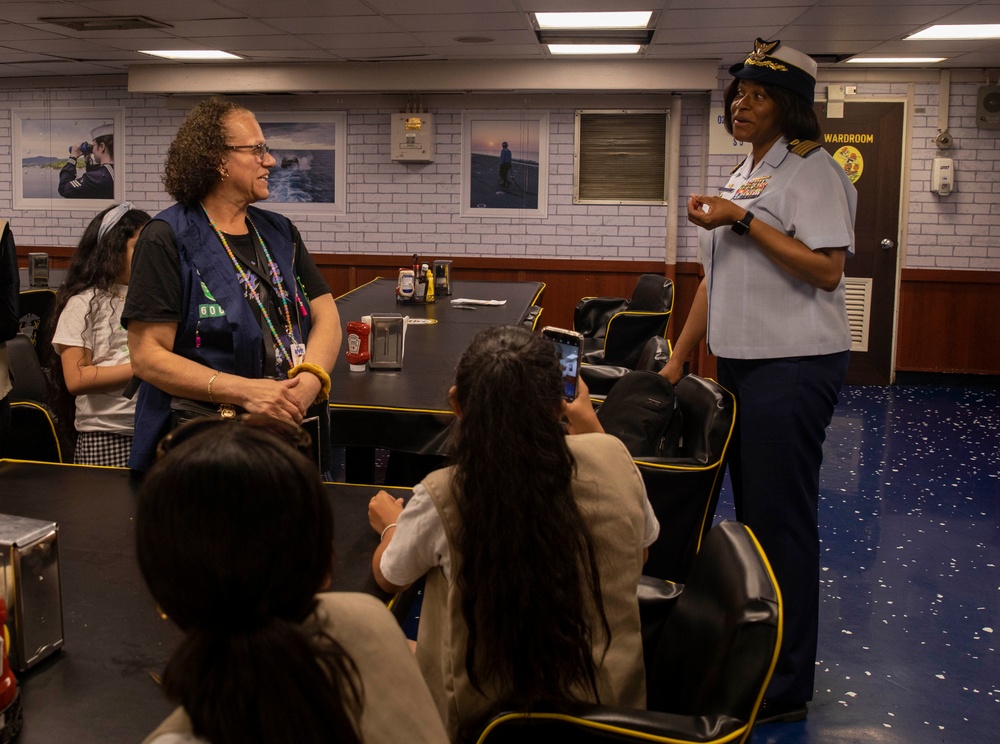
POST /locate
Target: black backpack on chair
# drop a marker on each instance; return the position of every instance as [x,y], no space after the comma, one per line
[641,410]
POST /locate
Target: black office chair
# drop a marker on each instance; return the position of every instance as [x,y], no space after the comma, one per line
[36,304]
[684,490]
[710,661]
[600,378]
[36,436]
[615,329]
[27,376]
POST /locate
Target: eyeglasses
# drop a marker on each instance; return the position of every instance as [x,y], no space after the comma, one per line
[292,435]
[259,150]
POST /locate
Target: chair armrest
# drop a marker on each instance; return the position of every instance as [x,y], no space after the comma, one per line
[657,598]
[611,723]
[600,378]
[655,354]
[707,728]
[657,595]
[673,462]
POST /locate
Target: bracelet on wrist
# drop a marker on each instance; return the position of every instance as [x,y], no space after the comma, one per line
[387,528]
[319,372]
[210,381]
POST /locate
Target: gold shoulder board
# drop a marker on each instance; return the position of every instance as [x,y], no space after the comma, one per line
[738,166]
[803,147]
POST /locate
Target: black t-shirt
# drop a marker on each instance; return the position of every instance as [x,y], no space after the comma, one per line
[156,291]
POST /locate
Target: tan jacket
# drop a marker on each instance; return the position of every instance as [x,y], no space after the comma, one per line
[610,495]
[397,704]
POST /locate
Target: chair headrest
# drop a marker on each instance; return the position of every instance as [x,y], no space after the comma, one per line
[25,370]
[653,293]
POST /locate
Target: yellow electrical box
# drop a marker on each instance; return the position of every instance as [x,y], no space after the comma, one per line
[413,138]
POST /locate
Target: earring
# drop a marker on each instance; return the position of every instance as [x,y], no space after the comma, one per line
[224,173]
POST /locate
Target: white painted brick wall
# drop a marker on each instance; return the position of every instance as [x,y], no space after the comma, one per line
[406,208]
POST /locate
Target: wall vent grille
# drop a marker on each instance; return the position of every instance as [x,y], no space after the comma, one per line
[859,305]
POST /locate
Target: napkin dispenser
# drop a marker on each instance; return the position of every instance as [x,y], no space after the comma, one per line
[442,277]
[38,269]
[29,584]
[386,341]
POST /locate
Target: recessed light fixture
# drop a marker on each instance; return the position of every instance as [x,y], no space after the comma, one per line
[106,23]
[594,48]
[625,19]
[895,60]
[624,32]
[190,54]
[963,31]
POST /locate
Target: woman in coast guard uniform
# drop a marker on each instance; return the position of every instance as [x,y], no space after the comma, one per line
[771,304]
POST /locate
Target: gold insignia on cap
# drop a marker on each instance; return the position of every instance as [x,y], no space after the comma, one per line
[761,49]
[759,56]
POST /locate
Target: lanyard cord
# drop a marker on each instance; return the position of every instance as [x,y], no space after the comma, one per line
[280,353]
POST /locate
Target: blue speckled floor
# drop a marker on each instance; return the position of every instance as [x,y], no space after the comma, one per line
[910,595]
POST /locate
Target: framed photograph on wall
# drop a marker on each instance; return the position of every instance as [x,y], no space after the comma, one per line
[310,173]
[505,159]
[67,158]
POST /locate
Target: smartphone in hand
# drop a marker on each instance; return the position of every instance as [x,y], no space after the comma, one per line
[569,347]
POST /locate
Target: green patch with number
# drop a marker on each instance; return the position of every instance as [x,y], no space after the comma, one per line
[209,309]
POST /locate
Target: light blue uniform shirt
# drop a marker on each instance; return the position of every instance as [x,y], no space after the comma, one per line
[755,309]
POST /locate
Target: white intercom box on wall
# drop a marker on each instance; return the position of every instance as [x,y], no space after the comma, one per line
[943,176]
[413,138]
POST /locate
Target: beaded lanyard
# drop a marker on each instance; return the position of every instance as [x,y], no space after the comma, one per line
[272,269]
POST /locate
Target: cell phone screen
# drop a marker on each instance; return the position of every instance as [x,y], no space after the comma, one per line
[569,360]
[567,345]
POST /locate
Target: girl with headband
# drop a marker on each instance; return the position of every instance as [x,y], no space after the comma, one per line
[92,346]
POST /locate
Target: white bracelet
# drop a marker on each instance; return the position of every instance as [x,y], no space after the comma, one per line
[387,528]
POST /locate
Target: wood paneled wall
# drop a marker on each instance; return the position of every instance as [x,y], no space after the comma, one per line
[948,319]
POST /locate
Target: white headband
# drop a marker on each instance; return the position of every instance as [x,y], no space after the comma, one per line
[111,219]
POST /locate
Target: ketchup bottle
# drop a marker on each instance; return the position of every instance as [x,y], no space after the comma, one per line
[10,695]
[357,344]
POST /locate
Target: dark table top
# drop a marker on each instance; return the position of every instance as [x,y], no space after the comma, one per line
[407,409]
[99,687]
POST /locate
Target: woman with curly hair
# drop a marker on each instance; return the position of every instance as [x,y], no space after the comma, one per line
[234,536]
[91,363]
[227,306]
[532,544]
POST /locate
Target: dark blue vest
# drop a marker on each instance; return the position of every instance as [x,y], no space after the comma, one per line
[216,310]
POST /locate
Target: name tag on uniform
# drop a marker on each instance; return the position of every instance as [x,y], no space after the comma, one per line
[752,188]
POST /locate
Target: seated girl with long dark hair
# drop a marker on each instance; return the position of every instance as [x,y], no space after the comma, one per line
[235,539]
[532,544]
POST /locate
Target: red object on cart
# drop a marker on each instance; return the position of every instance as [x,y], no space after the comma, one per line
[10,695]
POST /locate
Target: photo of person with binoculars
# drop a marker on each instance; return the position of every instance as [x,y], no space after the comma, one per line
[98,179]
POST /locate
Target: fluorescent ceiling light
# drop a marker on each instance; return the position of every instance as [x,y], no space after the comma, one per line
[625,19]
[965,31]
[594,48]
[189,54]
[895,60]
